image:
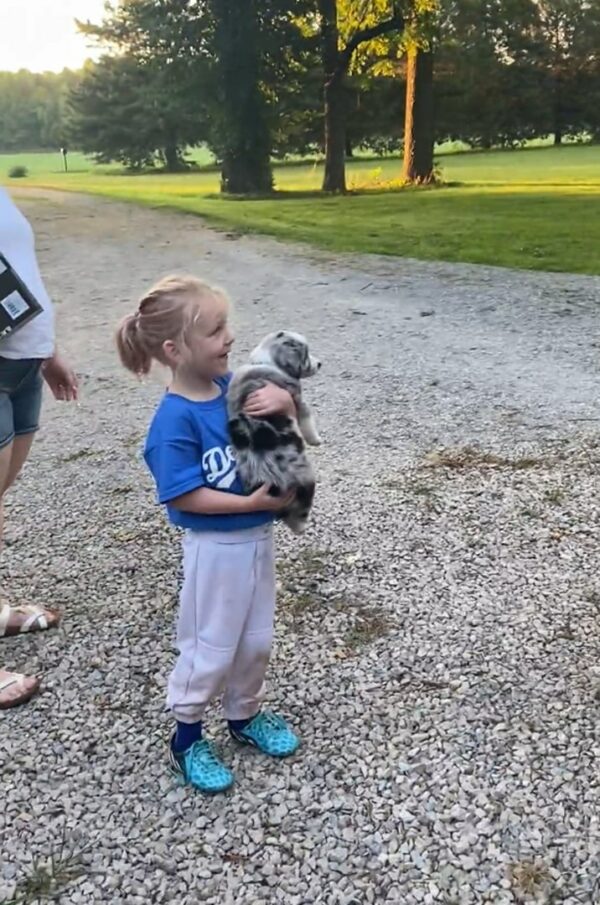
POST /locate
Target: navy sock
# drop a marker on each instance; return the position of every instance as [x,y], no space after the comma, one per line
[238,725]
[186,735]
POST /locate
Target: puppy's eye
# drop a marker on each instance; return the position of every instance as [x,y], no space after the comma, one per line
[280,334]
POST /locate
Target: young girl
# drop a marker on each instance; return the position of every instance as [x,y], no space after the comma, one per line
[227,601]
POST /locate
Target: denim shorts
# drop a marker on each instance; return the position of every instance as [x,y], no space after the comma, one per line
[20,397]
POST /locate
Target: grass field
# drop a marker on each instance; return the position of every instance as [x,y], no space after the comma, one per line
[536,208]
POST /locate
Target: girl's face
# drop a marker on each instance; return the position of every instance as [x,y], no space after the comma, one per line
[208,342]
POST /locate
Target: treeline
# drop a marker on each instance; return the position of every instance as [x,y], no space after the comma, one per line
[34,109]
[270,78]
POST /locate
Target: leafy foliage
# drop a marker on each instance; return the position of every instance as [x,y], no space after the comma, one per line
[132,112]
[278,77]
[33,108]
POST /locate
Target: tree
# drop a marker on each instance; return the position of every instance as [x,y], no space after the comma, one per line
[32,109]
[240,53]
[376,117]
[291,79]
[264,89]
[162,49]
[419,126]
[568,37]
[122,111]
[488,87]
[245,141]
[345,25]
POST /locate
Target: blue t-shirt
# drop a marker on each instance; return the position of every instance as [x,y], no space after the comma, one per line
[188,447]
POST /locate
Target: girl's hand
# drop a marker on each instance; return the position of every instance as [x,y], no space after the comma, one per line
[270,400]
[262,501]
[61,379]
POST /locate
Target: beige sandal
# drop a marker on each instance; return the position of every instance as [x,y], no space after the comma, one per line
[16,689]
[33,619]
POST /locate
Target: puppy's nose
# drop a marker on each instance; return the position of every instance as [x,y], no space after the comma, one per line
[318,366]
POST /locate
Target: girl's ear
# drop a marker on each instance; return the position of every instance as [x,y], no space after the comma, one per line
[170,351]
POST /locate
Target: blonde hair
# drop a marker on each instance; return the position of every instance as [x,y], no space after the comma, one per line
[166,312]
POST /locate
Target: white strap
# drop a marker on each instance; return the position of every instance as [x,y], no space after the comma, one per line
[37,615]
[12,678]
[4,617]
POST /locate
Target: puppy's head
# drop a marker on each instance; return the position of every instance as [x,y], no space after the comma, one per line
[287,351]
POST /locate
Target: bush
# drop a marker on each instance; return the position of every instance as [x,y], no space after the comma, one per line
[18,172]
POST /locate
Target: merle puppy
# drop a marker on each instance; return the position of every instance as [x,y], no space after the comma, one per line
[271,450]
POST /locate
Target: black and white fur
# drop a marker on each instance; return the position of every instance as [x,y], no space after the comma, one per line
[271,450]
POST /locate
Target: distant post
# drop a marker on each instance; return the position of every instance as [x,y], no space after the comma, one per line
[64,151]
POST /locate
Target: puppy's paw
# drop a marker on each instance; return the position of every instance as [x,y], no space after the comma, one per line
[297,526]
[313,439]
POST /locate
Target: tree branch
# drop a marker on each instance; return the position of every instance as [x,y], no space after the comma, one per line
[394,23]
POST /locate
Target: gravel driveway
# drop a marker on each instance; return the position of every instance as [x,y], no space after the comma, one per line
[438,630]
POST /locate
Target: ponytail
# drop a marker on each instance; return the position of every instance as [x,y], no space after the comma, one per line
[131,347]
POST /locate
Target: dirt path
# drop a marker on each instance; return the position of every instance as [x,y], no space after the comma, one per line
[438,633]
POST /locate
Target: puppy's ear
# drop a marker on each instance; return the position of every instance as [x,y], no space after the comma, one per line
[239,432]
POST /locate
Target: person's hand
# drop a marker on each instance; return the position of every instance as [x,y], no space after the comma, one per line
[262,501]
[61,379]
[270,400]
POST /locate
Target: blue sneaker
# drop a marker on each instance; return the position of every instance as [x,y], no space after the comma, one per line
[269,733]
[200,766]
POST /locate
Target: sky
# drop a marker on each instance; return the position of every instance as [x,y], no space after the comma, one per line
[41,34]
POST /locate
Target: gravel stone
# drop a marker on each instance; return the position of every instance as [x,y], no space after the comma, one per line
[438,626]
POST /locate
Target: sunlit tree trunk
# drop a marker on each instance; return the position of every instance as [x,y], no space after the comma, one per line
[419,118]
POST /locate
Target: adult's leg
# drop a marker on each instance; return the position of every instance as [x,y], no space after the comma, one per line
[20,403]
[12,459]
[5,460]
[19,617]
[14,688]
[25,402]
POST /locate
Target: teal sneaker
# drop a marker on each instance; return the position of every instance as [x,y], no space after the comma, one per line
[269,733]
[200,767]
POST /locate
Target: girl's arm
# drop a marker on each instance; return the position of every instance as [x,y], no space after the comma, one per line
[206,501]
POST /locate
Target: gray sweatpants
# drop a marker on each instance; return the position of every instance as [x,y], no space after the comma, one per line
[225,625]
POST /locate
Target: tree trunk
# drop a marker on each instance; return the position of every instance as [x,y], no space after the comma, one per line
[334,179]
[349,148]
[557,108]
[419,119]
[244,133]
[172,158]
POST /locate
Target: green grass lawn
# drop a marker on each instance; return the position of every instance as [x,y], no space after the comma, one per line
[537,208]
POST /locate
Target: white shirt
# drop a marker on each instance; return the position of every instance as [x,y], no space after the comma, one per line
[17,244]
